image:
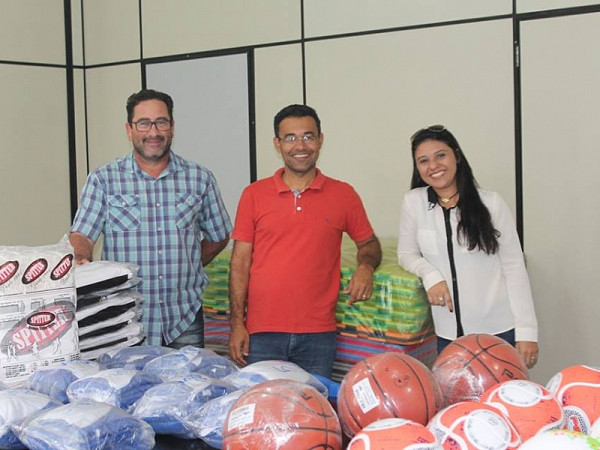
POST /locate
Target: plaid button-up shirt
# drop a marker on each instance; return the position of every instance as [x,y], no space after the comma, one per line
[157,224]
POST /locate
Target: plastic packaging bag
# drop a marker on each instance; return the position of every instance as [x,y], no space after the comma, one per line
[165,406]
[85,425]
[132,357]
[178,363]
[15,405]
[117,387]
[207,422]
[217,366]
[262,371]
[54,380]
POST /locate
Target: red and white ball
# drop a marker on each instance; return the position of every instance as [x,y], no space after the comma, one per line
[577,389]
[530,407]
[473,426]
[561,440]
[393,434]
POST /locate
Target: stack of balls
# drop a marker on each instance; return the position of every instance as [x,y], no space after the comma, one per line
[477,396]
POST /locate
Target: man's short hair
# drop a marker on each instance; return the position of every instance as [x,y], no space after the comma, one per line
[148,94]
[295,111]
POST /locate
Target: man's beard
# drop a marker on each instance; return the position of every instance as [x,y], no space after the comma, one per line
[141,151]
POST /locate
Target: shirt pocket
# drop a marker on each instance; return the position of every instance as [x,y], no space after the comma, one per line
[427,240]
[124,212]
[187,210]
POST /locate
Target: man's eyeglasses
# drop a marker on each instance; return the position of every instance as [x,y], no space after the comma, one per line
[291,138]
[145,125]
[431,128]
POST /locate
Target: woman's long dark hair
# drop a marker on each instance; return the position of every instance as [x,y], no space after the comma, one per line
[475,223]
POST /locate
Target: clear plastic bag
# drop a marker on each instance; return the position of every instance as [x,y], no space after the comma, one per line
[54,380]
[16,405]
[117,387]
[85,425]
[165,406]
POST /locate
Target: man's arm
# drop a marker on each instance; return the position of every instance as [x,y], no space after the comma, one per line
[211,249]
[368,258]
[83,247]
[239,277]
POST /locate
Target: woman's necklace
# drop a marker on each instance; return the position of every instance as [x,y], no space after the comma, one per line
[446,200]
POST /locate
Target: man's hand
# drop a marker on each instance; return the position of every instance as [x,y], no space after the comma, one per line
[239,344]
[360,285]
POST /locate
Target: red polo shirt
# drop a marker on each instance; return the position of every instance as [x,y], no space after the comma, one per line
[295,272]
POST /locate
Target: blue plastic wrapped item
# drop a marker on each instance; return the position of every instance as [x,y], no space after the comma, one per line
[333,387]
[132,357]
[16,405]
[178,363]
[261,371]
[217,366]
[53,380]
[117,387]
[165,406]
[85,425]
[207,422]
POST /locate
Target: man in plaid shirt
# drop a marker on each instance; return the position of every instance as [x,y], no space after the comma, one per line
[160,212]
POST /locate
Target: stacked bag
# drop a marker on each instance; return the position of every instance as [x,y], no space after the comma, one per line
[128,396]
[109,308]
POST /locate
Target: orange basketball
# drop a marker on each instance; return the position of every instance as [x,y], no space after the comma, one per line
[387,385]
[393,434]
[577,389]
[471,364]
[282,414]
[473,426]
[531,408]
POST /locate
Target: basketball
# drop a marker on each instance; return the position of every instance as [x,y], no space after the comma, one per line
[473,426]
[561,439]
[577,389]
[471,364]
[387,385]
[393,434]
[282,414]
[531,408]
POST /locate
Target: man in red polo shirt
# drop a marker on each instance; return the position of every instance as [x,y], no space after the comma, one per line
[285,267]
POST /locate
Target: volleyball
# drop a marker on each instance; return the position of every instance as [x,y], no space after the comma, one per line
[577,389]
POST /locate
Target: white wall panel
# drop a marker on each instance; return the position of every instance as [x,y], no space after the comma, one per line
[112,30]
[544,5]
[183,26]
[278,83]
[80,127]
[32,31]
[211,103]
[34,173]
[350,16]
[107,91]
[373,92]
[77,32]
[560,73]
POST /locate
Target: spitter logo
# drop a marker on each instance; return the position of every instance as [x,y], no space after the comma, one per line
[8,270]
[40,328]
[62,268]
[35,270]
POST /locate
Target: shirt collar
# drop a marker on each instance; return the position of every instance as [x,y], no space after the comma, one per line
[317,183]
[174,165]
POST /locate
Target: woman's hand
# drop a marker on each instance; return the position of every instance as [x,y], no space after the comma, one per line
[439,295]
[529,352]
